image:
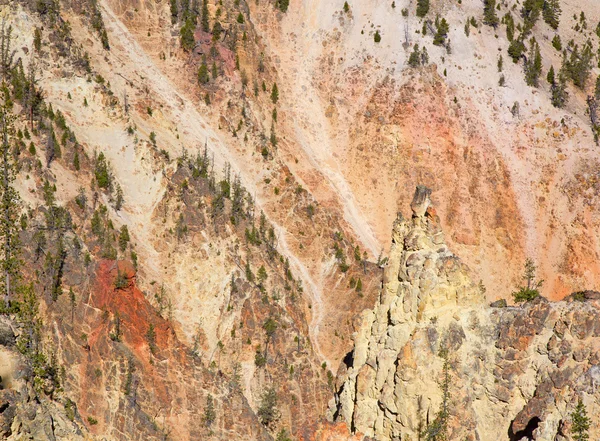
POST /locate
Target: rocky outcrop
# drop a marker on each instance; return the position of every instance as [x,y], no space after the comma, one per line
[515,372]
[25,414]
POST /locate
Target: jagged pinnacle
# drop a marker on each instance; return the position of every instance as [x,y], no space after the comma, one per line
[421,201]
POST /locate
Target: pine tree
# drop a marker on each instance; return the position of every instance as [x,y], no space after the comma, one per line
[6,54]
[442,32]
[579,65]
[274,94]
[551,12]
[210,415]
[581,423]
[437,430]
[550,77]
[267,410]
[531,12]
[174,11]
[557,88]
[282,5]
[556,43]
[489,13]
[205,17]
[119,199]
[510,26]
[9,204]
[422,8]
[52,148]
[186,34]
[531,290]
[533,65]
[203,77]
[37,39]
[414,60]
[76,160]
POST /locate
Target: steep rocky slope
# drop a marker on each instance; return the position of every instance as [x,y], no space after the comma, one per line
[506,185]
[189,233]
[512,372]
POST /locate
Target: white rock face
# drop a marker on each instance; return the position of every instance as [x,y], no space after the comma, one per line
[508,379]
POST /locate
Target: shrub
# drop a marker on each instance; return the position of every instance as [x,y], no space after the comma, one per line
[259,358]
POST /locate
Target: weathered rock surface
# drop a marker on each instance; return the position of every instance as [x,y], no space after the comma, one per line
[516,372]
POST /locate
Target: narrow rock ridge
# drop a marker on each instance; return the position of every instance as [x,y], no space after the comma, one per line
[516,373]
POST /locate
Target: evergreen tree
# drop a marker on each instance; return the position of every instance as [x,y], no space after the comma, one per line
[581,423]
[186,34]
[52,148]
[442,31]
[174,11]
[558,88]
[9,205]
[489,13]
[533,65]
[437,430]
[262,274]
[551,12]
[204,22]
[217,30]
[556,43]
[119,198]
[123,238]
[550,77]
[267,409]
[414,60]
[6,54]
[37,39]
[283,435]
[531,12]
[580,64]
[531,290]
[102,172]
[510,26]
[203,77]
[210,415]
[274,94]
[422,8]
[282,5]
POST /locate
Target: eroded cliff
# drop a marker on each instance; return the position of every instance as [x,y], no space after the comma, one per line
[515,372]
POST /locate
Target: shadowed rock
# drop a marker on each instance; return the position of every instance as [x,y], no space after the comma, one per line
[421,201]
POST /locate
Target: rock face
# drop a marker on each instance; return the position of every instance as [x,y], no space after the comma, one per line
[515,372]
